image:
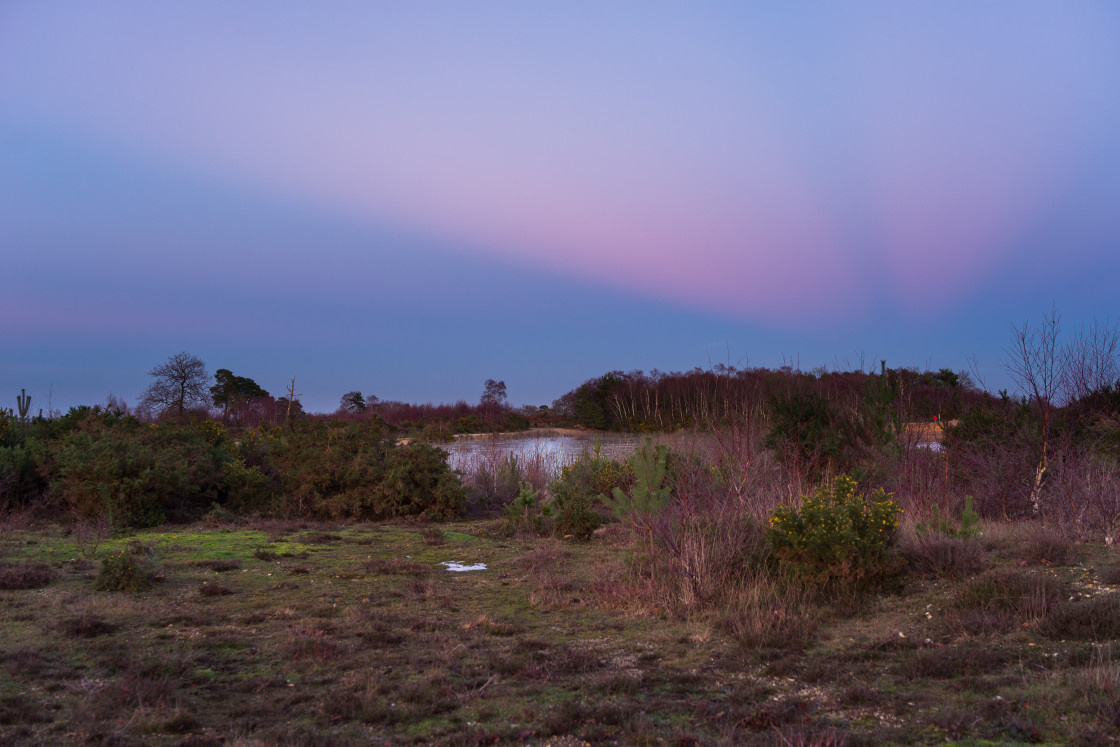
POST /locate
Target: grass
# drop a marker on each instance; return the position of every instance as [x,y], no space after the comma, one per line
[335,634]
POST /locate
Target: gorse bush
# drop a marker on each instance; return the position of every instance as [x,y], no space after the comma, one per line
[593,474]
[125,570]
[836,536]
[139,477]
[249,489]
[355,471]
[19,483]
[575,515]
[97,466]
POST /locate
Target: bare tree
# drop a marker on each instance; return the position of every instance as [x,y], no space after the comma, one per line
[1034,362]
[1091,360]
[291,398]
[180,383]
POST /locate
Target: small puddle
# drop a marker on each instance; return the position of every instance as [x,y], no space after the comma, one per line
[454,565]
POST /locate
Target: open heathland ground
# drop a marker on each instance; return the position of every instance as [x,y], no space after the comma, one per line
[306,633]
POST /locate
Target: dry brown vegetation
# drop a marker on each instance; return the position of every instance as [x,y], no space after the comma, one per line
[308,634]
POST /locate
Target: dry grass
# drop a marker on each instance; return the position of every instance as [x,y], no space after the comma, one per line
[1110,573]
[1089,619]
[1043,543]
[1002,599]
[432,536]
[214,590]
[16,576]
[771,613]
[939,556]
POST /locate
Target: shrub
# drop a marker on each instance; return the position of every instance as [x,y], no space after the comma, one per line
[998,600]
[1110,574]
[137,477]
[19,483]
[84,625]
[967,528]
[527,512]
[593,473]
[1094,619]
[418,482]
[125,570]
[214,590]
[581,487]
[837,536]
[24,576]
[432,536]
[247,487]
[575,513]
[1043,544]
[809,432]
[954,661]
[220,565]
[355,471]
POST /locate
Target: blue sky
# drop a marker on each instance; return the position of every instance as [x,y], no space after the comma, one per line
[408,199]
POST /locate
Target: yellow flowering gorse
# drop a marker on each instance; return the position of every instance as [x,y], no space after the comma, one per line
[836,535]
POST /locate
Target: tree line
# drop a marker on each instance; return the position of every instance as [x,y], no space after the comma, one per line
[181,390]
[1012,453]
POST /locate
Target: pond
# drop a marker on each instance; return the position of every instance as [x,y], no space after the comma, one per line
[549,450]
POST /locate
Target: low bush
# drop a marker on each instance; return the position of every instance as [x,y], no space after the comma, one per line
[20,483]
[221,565]
[492,481]
[946,662]
[593,473]
[838,537]
[1110,574]
[135,476]
[1093,619]
[575,514]
[248,488]
[943,556]
[996,601]
[433,536]
[125,570]
[528,513]
[214,590]
[84,625]
[1042,543]
[15,576]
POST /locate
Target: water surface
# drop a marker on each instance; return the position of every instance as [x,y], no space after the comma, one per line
[552,449]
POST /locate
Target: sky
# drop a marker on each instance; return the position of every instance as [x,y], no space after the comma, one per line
[409,198]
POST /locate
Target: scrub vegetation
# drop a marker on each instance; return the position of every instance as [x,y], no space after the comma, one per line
[824,564]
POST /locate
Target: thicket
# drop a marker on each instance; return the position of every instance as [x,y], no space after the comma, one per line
[864,402]
[93,465]
[441,422]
